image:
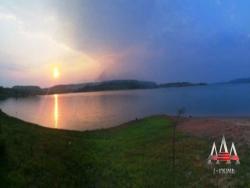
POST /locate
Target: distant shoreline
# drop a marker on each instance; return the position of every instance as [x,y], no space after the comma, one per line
[109,85]
[112,85]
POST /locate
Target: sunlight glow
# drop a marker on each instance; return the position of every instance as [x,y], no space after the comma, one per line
[56,72]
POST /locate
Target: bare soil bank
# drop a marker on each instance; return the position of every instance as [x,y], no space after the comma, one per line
[237,129]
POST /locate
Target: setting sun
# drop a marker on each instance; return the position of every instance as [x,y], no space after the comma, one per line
[56,72]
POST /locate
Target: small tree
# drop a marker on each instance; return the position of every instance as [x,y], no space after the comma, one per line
[180,112]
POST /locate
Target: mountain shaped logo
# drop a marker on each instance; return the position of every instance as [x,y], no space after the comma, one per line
[223,156]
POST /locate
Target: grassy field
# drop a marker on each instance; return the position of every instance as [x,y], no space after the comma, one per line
[136,154]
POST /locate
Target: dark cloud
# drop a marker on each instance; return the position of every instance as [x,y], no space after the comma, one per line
[104,25]
[181,36]
[161,40]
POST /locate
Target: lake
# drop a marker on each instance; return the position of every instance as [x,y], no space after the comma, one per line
[96,110]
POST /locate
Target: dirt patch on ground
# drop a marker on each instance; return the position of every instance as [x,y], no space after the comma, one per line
[237,129]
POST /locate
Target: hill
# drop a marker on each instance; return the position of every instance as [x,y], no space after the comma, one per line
[20,91]
[239,81]
[101,86]
[181,84]
[24,91]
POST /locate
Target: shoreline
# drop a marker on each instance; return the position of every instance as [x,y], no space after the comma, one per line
[234,128]
[195,125]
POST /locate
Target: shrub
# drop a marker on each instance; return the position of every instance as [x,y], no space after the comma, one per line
[2,144]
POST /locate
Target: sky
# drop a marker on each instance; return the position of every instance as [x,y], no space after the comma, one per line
[94,40]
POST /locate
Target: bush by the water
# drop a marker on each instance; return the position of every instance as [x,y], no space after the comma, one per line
[2,146]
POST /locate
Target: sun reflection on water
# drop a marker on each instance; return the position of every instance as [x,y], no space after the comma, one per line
[56,113]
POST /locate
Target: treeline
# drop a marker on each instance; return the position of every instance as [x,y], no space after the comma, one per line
[102,86]
[20,91]
[181,84]
[24,91]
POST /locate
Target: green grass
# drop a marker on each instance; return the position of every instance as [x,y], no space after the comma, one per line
[136,154]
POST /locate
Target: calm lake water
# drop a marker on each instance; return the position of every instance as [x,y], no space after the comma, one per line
[95,110]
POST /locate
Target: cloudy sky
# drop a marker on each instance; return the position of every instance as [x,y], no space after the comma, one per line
[92,40]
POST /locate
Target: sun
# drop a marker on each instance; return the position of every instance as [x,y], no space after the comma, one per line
[56,73]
